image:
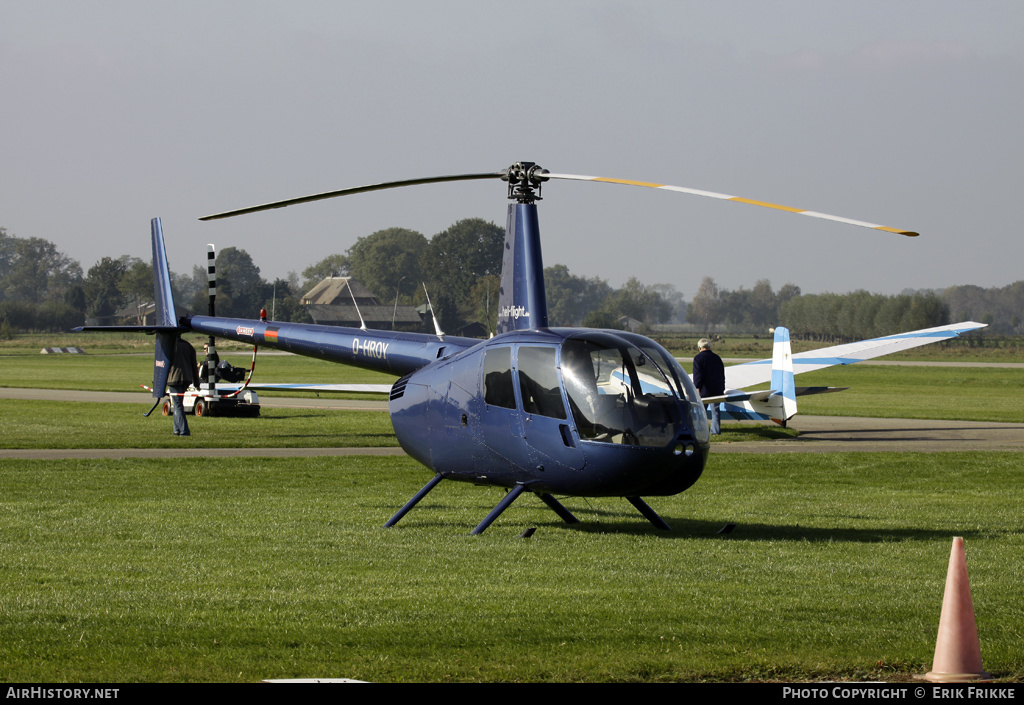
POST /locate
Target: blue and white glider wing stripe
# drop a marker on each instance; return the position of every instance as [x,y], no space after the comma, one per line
[749,374]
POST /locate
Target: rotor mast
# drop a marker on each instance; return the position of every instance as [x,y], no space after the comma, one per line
[522,302]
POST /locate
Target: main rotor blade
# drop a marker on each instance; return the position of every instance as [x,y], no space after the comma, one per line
[350,191]
[737,199]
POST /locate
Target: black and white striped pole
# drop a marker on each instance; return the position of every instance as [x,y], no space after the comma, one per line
[211,355]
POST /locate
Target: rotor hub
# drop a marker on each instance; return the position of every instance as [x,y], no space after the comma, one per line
[524,181]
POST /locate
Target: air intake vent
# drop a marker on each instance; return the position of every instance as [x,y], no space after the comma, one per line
[399,388]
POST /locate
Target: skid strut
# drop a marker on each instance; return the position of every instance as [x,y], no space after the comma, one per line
[412,502]
[496,512]
[651,515]
[559,509]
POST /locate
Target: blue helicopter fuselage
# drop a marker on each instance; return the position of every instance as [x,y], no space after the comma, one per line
[559,411]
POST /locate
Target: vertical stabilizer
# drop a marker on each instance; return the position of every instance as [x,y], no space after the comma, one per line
[783,381]
[165,315]
[522,304]
[165,343]
[162,297]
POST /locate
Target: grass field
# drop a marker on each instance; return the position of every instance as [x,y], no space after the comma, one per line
[968,393]
[150,570]
[126,372]
[250,568]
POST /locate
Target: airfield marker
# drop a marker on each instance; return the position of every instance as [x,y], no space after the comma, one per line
[957,649]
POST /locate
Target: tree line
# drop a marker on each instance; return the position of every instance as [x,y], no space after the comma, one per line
[855,315]
[43,289]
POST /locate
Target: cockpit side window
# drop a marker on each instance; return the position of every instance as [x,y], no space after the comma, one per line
[498,389]
[538,382]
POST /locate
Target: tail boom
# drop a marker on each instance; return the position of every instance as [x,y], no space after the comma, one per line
[394,352]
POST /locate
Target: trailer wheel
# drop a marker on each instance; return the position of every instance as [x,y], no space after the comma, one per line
[167,408]
[200,408]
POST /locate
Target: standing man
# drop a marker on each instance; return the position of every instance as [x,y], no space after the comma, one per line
[709,379]
[182,374]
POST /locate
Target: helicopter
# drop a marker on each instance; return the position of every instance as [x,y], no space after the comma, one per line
[556,412]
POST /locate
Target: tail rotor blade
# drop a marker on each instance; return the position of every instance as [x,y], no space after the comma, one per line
[737,199]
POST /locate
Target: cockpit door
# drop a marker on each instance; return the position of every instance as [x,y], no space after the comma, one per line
[546,425]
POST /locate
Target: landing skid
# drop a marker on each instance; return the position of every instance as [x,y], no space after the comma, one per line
[512,495]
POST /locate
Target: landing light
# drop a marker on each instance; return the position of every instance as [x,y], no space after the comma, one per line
[683,449]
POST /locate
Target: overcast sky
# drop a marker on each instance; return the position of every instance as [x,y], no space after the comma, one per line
[906,114]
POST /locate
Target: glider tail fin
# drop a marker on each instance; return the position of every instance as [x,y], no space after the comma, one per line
[783,381]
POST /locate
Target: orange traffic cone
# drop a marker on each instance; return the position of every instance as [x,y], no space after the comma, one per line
[957,649]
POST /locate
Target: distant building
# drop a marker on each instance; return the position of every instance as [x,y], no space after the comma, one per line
[630,324]
[330,304]
[473,329]
[137,314]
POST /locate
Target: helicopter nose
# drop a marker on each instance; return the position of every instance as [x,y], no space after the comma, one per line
[681,466]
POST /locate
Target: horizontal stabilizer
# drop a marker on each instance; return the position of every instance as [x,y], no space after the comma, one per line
[764,394]
[737,397]
[310,387]
[804,391]
[129,329]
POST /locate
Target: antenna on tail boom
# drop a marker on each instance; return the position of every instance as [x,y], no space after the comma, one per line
[437,326]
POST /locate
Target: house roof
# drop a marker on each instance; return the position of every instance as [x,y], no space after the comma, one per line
[335,290]
[375,316]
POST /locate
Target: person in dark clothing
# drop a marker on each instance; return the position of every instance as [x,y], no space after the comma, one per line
[709,379]
[181,375]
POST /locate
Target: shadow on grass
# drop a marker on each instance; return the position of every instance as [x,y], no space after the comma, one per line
[629,522]
[389,436]
[692,529]
[739,433]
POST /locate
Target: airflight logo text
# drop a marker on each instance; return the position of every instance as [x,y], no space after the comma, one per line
[514,312]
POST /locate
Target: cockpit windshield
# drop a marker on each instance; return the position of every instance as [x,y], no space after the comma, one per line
[668,365]
[622,392]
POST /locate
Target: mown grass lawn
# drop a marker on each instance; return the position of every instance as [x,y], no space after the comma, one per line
[57,425]
[127,372]
[249,568]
